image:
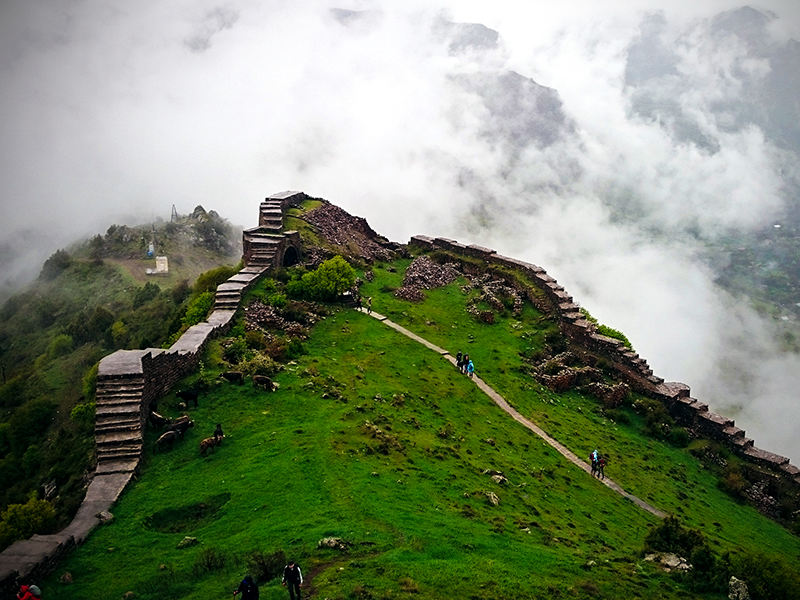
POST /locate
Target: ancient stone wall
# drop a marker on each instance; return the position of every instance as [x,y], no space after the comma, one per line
[127,378]
[553,299]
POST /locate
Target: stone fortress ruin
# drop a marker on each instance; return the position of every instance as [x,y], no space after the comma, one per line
[130,380]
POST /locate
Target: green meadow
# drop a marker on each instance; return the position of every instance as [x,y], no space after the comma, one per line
[376,440]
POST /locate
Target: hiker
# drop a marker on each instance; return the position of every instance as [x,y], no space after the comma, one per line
[248,588]
[470,369]
[369,305]
[458,360]
[594,458]
[29,592]
[601,468]
[292,579]
[464,363]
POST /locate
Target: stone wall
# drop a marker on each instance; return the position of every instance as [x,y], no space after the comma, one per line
[547,295]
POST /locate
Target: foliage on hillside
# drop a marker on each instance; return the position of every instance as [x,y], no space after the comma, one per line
[52,335]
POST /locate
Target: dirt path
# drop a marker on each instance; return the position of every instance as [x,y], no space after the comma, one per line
[501,402]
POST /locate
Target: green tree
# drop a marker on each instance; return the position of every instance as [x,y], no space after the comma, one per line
[21,521]
[331,278]
[55,265]
[198,309]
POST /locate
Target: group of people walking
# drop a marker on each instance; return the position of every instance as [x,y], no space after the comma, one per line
[292,579]
[598,464]
[465,364]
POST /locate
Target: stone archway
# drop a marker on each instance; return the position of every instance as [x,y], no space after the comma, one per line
[290,256]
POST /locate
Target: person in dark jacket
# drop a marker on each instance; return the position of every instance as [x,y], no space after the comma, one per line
[292,579]
[248,588]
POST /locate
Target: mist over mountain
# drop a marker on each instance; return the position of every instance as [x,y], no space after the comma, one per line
[638,151]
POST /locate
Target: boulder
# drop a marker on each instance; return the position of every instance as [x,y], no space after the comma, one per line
[737,589]
[186,542]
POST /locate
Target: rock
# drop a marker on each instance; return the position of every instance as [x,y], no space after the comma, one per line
[499,479]
[128,595]
[186,542]
[105,516]
[737,589]
[162,567]
[493,499]
[334,543]
[66,577]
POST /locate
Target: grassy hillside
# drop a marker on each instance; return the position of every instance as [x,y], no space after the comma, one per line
[378,441]
[89,301]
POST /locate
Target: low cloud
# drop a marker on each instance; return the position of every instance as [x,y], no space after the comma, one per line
[532,133]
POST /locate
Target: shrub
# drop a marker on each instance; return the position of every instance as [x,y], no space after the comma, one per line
[55,265]
[326,283]
[235,351]
[90,382]
[256,340]
[260,364]
[678,437]
[145,293]
[83,416]
[28,423]
[208,281]
[60,346]
[198,309]
[209,559]
[671,536]
[263,566]
[21,521]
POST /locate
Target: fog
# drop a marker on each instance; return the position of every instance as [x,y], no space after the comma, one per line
[653,129]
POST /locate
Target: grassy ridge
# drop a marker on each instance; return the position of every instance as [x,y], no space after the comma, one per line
[377,440]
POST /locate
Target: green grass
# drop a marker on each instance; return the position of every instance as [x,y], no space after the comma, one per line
[376,439]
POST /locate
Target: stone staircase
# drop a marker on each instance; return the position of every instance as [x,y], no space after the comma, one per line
[118,423]
[271,215]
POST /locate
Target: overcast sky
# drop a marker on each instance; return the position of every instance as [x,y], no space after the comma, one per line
[115,111]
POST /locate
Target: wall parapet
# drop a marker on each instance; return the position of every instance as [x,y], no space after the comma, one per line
[632,368]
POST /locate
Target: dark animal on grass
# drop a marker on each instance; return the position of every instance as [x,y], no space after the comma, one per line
[167,439]
[234,376]
[180,426]
[209,444]
[157,421]
[188,396]
[263,381]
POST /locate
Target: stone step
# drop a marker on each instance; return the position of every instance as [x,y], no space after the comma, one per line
[106,390]
[118,398]
[117,426]
[118,438]
[127,408]
[117,466]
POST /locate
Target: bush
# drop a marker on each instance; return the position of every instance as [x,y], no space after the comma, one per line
[83,416]
[198,309]
[263,566]
[209,559]
[21,521]
[145,293]
[235,351]
[90,382]
[260,364]
[55,265]
[767,577]
[208,281]
[60,346]
[28,423]
[678,437]
[671,536]
[326,283]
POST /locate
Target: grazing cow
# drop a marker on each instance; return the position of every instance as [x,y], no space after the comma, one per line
[234,376]
[188,396]
[166,439]
[157,421]
[210,443]
[263,381]
[180,426]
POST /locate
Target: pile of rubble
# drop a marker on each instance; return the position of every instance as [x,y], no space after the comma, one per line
[766,504]
[492,291]
[346,231]
[425,274]
[258,315]
[409,292]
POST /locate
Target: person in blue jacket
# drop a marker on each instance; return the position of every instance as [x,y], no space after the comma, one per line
[248,589]
[470,368]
